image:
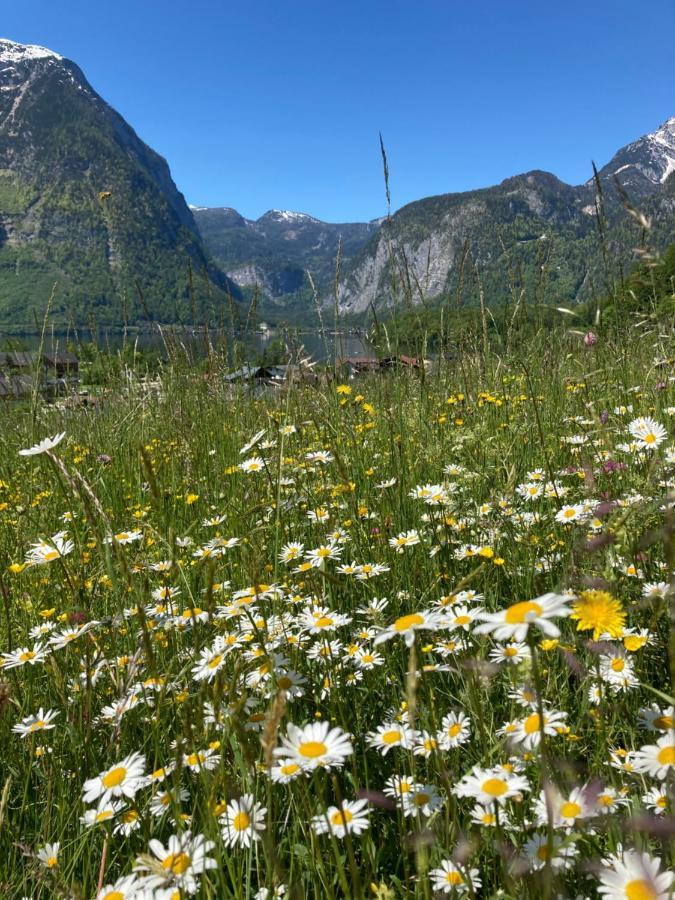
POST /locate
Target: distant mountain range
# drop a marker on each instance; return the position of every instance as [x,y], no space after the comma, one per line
[86,205]
[273,254]
[525,228]
[90,211]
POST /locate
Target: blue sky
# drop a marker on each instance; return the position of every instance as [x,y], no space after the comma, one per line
[278,103]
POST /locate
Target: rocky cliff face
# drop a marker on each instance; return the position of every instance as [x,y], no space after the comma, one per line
[529,228]
[87,207]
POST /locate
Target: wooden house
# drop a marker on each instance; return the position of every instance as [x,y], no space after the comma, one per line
[61,364]
[399,362]
[353,366]
[20,361]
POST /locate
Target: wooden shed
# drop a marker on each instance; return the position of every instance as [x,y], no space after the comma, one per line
[61,364]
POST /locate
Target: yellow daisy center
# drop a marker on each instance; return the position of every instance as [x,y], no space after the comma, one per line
[391,737]
[495,787]
[454,730]
[341,817]
[570,810]
[454,878]
[531,723]
[666,756]
[639,889]
[114,777]
[241,821]
[406,622]
[516,614]
[178,863]
[312,749]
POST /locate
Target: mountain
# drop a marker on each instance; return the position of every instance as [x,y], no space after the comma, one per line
[531,233]
[87,206]
[273,253]
[643,166]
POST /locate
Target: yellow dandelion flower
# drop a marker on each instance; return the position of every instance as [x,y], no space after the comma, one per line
[599,611]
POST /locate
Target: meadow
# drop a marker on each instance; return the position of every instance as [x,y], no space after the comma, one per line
[403,636]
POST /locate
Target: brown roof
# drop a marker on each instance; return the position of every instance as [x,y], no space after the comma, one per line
[60,358]
[359,361]
[21,359]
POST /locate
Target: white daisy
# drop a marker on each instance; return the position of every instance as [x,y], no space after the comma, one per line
[243,821]
[391,735]
[488,786]
[351,816]
[44,445]
[180,862]
[406,626]
[635,876]
[647,432]
[450,878]
[41,721]
[49,855]
[515,621]
[315,745]
[123,779]
[657,760]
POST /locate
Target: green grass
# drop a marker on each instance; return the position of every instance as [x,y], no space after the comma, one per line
[173,460]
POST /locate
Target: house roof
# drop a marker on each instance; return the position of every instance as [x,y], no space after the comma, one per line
[244,372]
[60,358]
[22,359]
[360,362]
[400,359]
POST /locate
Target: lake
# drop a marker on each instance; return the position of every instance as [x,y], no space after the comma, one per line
[239,347]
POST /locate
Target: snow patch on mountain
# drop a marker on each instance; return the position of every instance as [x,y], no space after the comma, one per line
[11,52]
[287,215]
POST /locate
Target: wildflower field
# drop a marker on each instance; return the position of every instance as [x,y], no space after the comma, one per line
[399,637]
